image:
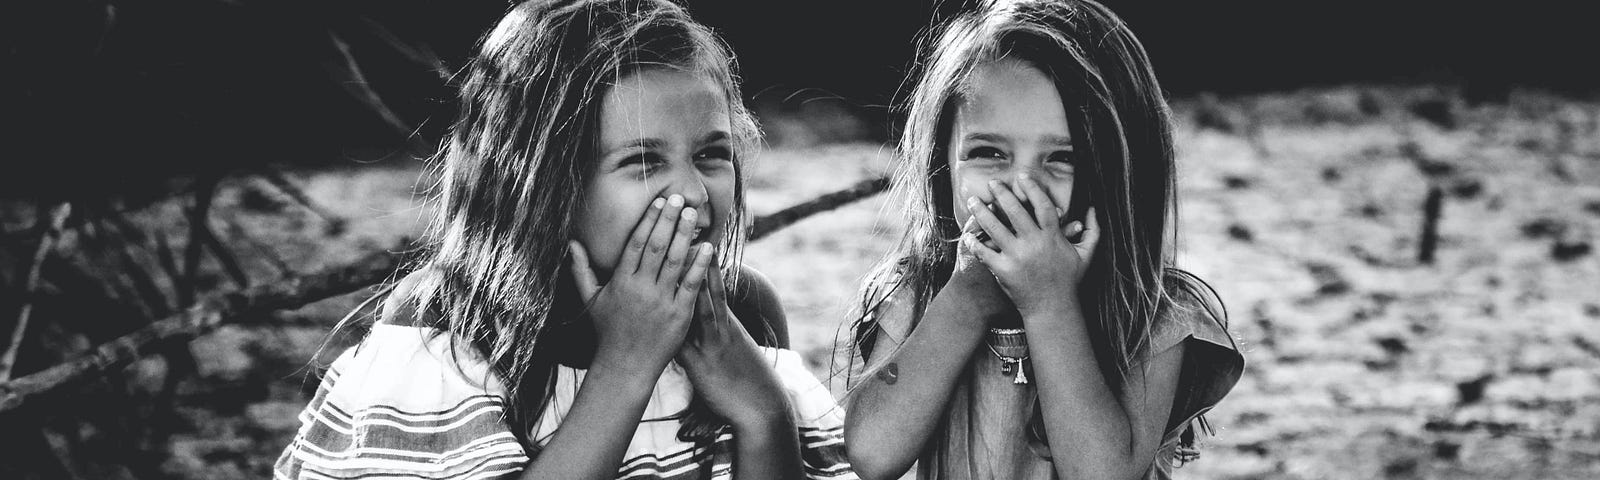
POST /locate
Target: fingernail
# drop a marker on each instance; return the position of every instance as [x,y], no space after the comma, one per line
[688,213]
[1060,212]
[972,202]
[705,248]
[657,203]
[675,200]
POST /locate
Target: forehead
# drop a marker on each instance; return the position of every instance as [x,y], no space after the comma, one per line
[662,103]
[1011,97]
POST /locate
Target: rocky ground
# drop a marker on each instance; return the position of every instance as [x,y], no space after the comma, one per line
[1304,209]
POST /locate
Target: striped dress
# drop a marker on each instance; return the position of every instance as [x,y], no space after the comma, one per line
[400,406]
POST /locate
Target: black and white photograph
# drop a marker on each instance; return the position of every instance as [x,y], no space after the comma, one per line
[822,240]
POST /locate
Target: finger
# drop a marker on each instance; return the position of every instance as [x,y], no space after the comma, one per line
[655,249]
[989,223]
[1044,209]
[677,253]
[695,277]
[582,273]
[985,254]
[719,291]
[1021,220]
[629,261]
[1091,232]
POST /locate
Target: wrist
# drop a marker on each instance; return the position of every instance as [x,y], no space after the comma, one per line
[1051,308]
[763,414]
[624,364]
[777,420]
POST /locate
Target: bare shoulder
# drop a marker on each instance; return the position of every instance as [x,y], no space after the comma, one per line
[756,303]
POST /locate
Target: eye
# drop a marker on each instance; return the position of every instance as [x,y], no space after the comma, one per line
[649,161]
[1063,157]
[985,153]
[714,154]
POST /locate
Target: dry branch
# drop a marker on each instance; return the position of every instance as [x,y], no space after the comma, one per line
[346,72]
[51,226]
[766,224]
[288,187]
[1431,209]
[201,319]
[419,54]
[203,195]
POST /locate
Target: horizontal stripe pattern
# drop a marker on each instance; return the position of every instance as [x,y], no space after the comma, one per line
[400,406]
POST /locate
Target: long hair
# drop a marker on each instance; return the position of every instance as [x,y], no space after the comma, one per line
[520,156]
[1121,125]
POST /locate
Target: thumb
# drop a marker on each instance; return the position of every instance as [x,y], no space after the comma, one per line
[582,273]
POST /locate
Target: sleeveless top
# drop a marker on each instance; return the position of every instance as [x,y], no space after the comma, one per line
[985,430]
[400,404]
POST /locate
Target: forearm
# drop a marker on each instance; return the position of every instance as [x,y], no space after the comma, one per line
[893,414]
[1091,434]
[769,448]
[595,433]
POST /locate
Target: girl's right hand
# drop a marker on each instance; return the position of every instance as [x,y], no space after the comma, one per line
[643,313]
[973,278]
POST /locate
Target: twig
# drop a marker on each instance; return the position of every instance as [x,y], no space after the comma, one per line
[238,231]
[206,316]
[419,54]
[197,227]
[230,263]
[288,187]
[1431,210]
[116,281]
[346,72]
[766,224]
[142,281]
[51,226]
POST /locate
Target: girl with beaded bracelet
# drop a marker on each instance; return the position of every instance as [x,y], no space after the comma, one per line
[1032,324]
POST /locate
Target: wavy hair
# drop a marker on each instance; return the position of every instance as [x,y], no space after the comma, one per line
[1123,128]
[518,159]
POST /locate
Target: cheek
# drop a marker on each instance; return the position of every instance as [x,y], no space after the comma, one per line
[609,216]
[967,183]
[721,192]
[1060,191]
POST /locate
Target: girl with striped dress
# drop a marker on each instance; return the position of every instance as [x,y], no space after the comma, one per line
[581,310]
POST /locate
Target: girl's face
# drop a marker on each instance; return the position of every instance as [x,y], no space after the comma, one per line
[663,132]
[1010,125]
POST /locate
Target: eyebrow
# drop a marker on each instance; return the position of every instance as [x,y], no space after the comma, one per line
[715,136]
[644,143]
[1058,140]
[985,137]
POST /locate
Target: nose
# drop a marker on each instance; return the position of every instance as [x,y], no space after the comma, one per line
[692,185]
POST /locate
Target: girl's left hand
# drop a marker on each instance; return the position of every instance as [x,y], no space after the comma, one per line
[726,366]
[1034,261]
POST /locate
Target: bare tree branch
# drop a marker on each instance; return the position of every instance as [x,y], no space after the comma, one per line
[347,73]
[203,194]
[204,317]
[294,191]
[419,53]
[51,226]
[766,224]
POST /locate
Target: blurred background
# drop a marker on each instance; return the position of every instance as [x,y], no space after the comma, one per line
[1397,200]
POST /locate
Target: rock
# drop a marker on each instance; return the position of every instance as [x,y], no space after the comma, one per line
[1471,391]
[1568,250]
[1240,233]
[1329,281]
[1543,227]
